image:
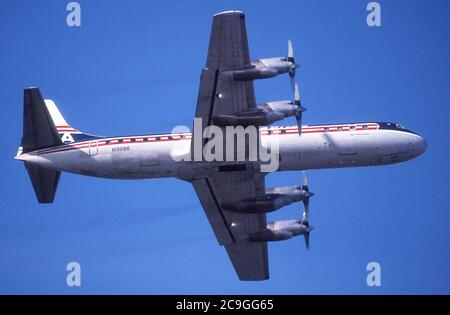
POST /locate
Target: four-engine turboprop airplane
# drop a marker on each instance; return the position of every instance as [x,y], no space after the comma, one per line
[232,192]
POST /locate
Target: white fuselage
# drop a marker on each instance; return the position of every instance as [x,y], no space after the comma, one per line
[151,156]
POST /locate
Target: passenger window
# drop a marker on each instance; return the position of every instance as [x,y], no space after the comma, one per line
[352,127]
[365,127]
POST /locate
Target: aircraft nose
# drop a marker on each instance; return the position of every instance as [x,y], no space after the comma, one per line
[420,145]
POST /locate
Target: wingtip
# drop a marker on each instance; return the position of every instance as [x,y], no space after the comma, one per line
[32,88]
[230,12]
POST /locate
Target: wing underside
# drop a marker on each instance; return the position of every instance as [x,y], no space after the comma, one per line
[232,229]
[228,51]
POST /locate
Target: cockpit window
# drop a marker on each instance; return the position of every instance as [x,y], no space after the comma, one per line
[394,126]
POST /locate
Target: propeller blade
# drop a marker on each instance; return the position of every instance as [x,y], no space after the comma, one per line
[306,236]
[299,109]
[304,180]
[290,51]
[292,78]
[291,64]
[298,118]
[296,94]
[305,219]
[305,216]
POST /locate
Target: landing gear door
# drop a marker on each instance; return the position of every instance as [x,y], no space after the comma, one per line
[93,148]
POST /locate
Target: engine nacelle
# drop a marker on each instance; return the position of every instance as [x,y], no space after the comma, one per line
[264,204]
[256,118]
[280,64]
[279,231]
[264,115]
[262,69]
[249,74]
[284,108]
[274,199]
[270,236]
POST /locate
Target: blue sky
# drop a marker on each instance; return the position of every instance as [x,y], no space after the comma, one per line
[133,67]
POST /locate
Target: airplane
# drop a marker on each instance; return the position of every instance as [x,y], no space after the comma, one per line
[232,193]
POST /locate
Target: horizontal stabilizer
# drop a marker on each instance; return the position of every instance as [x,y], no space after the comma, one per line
[45,181]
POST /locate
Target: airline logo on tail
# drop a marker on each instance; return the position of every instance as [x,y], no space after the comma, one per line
[63,128]
[65,131]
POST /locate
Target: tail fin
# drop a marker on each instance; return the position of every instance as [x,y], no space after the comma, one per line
[66,133]
[44,127]
[39,132]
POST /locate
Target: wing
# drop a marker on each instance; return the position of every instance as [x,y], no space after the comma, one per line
[250,260]
[228,50]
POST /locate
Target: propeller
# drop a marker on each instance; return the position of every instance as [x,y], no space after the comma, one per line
[305,215]
[308,194]
[306,236]
[299,109]
[292,64]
